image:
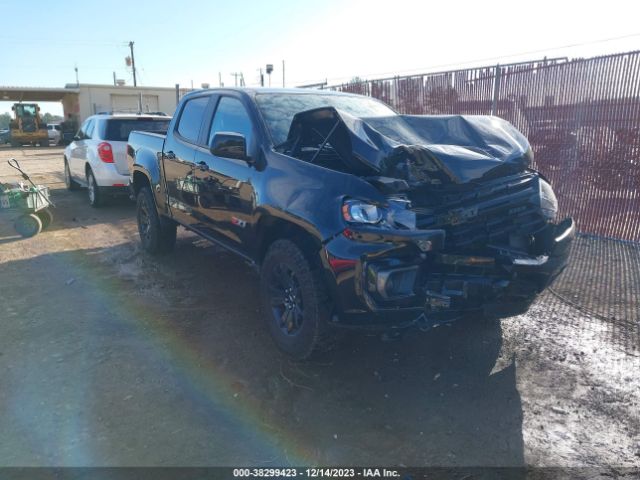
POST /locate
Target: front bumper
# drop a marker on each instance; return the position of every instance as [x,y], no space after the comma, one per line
[431,285]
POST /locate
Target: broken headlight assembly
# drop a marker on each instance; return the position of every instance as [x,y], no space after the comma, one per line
[394,215]
[357,211]
[548,201]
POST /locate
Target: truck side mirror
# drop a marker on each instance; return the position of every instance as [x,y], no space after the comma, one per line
[230,145]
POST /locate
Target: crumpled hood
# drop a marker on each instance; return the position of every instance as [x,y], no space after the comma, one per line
[423,148]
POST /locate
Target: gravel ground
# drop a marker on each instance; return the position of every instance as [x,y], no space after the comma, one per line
[111,357]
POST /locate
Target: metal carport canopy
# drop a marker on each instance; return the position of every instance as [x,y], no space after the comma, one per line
[34,94]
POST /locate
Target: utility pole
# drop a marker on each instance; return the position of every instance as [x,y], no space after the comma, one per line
[114,79]
[235,78]
[76,69]
[133,65]
[261,78]
[220,80]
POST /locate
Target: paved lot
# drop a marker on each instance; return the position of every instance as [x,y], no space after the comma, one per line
[111,357]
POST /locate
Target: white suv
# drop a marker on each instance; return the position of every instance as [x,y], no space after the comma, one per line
[97,157]
[55,132]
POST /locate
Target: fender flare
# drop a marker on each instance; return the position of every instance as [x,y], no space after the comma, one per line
[146,163]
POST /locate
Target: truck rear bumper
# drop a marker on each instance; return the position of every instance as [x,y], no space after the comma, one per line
[412,281]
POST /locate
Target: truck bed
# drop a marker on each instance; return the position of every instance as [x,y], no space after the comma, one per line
[152,142]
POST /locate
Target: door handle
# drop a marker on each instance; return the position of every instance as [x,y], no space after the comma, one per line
[169,155]
[202,165]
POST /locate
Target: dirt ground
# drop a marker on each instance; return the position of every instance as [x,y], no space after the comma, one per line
[111,357]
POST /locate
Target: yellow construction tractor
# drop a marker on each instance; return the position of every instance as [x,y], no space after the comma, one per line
[27,126]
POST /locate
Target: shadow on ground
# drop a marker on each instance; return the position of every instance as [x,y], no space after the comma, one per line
[141,361]
[72,210]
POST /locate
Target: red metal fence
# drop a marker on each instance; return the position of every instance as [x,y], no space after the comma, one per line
[582,118]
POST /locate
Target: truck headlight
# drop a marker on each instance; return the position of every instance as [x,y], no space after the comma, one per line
[548,201]
[357,211]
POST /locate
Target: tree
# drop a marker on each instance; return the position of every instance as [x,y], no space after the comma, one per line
[357,85]
[49,118]
[5,119]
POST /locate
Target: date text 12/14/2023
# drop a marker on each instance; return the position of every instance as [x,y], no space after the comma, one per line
[316,472]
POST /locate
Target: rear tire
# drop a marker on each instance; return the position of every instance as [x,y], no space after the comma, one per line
[28,225]
[158,235]
[44,143]
[93,191]
[68,181]
[294,301]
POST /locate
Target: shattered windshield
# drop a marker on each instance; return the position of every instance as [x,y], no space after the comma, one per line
[278,109]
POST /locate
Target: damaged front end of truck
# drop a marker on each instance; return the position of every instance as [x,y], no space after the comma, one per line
[461,223]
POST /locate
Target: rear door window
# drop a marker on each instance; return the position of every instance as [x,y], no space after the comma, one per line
[191,118]
[81,134]
[118,129]
[89,129]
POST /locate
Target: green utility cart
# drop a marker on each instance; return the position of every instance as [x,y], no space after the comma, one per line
[29,205]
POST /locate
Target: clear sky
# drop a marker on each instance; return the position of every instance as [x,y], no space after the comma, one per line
[181,42]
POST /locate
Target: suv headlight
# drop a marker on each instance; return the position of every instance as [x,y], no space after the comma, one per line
[548,201]
[357,211]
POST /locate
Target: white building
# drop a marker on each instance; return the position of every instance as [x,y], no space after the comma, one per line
[92,99]
[83,100]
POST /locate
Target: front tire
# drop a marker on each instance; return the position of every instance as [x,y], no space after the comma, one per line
[294,300]
[93,191]
[158,235]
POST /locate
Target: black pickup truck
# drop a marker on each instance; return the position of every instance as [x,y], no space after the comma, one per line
[355,216]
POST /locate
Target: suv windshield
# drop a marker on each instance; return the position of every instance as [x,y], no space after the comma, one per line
[118,129]
[278,110]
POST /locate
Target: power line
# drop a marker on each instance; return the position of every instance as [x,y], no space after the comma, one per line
[487,59]
[17,40]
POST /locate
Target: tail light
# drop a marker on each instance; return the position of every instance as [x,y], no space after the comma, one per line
[105,152]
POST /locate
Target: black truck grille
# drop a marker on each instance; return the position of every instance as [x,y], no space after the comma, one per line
[486,215]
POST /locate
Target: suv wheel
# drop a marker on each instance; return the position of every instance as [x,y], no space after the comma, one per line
[95,198]
[158,235]
[293,300]
[68,181]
